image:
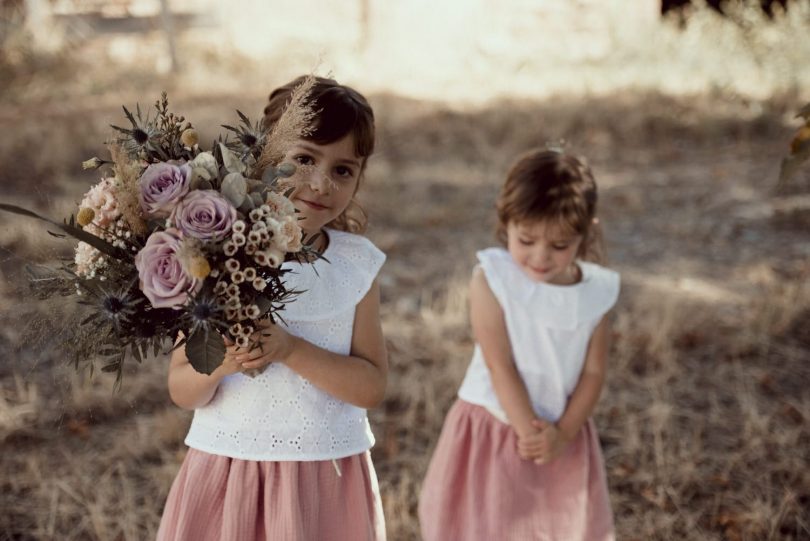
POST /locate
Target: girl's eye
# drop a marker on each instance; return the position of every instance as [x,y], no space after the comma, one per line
[559,246]
[304,159]
[344,171]
[526,242]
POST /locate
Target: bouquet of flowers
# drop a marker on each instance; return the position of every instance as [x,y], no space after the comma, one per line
[179,245]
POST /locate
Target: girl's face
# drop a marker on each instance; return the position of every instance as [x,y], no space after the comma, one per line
[543,252]
[325,180]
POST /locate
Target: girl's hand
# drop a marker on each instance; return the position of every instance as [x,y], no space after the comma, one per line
[544,445]
[274,343]
[230,364]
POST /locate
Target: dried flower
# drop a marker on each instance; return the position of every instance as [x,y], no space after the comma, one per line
[92,163]
[200,268]
[231,265]
[85,216]
[259,284]
[189,137]
[293,124]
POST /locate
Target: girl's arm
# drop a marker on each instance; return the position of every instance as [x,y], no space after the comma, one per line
[551,440]
[489,330]
[358,378]
[190,389]
[586,394]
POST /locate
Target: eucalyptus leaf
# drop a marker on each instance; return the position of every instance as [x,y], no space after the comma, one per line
[285,170]
[269,176]
[264,304]
[231,160]
[247,205]
[257,199]
[234,188]
[205,351]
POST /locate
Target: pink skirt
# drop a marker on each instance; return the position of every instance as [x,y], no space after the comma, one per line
[218,498]
[478,488]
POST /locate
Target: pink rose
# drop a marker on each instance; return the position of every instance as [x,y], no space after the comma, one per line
[162,278]
[163,185]
[204,215]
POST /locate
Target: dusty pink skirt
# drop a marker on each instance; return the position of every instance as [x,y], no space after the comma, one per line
[218,498]
[478,488]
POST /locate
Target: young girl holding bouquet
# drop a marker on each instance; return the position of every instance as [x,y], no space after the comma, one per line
[285,454]
[518,457]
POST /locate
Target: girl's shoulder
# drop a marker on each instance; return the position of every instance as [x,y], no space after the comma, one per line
[336,282]
[354,247]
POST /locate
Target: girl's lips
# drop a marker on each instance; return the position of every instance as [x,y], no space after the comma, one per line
[313,205]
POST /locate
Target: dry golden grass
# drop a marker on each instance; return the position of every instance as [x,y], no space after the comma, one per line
[704,418]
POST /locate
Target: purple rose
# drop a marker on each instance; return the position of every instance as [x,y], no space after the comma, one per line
[205,215]
[163,185]
[162,278]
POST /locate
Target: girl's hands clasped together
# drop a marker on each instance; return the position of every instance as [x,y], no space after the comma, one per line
[543,444]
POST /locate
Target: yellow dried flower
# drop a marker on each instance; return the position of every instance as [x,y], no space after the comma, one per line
[200,268]
[189,137]
[85,216]
[92,163]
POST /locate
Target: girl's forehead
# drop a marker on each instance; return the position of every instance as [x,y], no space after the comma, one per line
[544,229]
[343,148]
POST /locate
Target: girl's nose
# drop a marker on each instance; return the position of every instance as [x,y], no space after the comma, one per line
[319,182]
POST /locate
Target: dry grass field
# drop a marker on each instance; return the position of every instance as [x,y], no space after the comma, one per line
[705,418]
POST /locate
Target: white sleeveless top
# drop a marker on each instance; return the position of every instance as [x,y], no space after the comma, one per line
[549,329]
[278,415]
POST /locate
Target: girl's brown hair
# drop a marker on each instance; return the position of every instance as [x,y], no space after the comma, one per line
[554,187]
[339,111]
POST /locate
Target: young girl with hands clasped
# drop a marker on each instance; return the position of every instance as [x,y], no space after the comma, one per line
[285,455]
[518,457]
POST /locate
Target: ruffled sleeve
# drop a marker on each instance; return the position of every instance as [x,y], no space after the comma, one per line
[600,291]
[501,273]
[336,284]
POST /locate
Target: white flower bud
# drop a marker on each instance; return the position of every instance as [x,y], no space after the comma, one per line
[232,265]
[237,277]
[250,274]
[238,226]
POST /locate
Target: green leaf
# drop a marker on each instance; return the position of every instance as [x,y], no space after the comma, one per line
[99,244]
[231,161]
[205,351]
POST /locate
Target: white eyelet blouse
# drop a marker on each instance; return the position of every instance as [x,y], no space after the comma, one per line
[278,415]
[549,329]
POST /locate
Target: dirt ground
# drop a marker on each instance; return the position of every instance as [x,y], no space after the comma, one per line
[704,419]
